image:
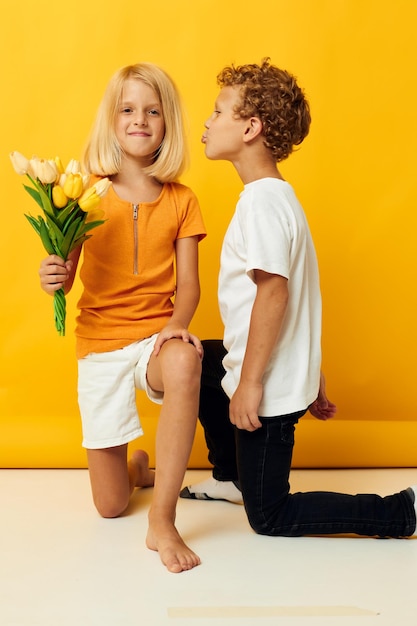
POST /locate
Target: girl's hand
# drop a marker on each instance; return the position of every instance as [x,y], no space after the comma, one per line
[53,273]
[177,332]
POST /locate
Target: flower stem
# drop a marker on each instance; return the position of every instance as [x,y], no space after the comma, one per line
[60,311]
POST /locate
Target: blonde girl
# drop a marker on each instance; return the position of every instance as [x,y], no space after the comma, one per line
[140,291]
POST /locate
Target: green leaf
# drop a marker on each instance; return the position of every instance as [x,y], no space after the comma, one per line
[52,218]
[45,201]
[46,240]
[55,232]
[33,222]
[47,205]
[81,235]
[67,213]
[90,225]
[42,229]
[70,235]
[78,242]
[35,195]
[73,219]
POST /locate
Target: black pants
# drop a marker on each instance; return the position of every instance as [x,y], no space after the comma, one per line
[261,462]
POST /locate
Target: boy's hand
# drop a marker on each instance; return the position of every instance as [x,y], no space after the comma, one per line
[322,408]
[243,409]
[53,273]
[177,332]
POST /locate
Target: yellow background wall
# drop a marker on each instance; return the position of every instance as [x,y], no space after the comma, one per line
[355,176]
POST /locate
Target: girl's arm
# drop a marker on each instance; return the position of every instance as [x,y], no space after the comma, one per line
[187,295]
[265,325]
[55,273]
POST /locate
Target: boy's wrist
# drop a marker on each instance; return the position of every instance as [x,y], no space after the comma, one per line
[250,379]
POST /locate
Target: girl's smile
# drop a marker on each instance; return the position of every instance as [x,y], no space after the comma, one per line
[140,126]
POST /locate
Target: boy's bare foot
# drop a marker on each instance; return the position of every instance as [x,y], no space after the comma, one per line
[174,554]
[139,462]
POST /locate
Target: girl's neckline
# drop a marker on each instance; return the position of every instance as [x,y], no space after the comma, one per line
[136,202]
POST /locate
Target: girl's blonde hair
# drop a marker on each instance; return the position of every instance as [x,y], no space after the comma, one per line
[103,153]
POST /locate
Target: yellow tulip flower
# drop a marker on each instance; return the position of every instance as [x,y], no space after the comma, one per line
[45,171]
[73,186]
[59,165]
[89,201]
[94,215]
[54,189]
[58,196]
[102,186]
[92,196]
[20,163]
[73,167]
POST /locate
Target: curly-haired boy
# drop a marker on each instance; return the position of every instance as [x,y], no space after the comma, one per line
[265,375]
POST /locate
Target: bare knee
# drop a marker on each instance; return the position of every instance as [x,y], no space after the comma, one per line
[109,509]
[184,365]
[109,478]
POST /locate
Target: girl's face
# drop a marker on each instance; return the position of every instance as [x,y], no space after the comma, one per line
[140,125]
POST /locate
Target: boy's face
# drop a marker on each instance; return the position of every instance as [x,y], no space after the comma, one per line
[225,130]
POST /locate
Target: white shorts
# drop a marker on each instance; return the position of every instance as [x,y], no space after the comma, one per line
[107,384]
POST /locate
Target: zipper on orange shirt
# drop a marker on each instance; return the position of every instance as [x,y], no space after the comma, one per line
[135,238]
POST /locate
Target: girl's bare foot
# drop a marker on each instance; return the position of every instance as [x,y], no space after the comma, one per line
[139,465]
[174,554]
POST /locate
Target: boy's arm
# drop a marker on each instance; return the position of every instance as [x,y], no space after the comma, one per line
[265,325]
[187,295]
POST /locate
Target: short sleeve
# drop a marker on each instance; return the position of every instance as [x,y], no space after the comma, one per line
[268,237]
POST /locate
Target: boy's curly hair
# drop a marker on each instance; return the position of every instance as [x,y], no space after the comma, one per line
[272,95]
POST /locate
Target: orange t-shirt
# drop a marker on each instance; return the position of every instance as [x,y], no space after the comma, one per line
[128,268]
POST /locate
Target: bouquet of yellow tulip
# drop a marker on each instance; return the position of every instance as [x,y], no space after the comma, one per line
[69,206]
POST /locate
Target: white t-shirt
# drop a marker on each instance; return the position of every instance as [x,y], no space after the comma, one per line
[269,232]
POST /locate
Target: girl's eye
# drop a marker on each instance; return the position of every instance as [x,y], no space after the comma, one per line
[153,112]
[126,110]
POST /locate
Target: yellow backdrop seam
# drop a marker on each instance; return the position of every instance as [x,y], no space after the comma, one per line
[354,174]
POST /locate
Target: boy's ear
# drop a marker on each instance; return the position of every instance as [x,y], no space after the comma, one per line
[253,129]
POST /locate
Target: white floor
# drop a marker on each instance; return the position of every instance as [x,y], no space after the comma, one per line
[62,565]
